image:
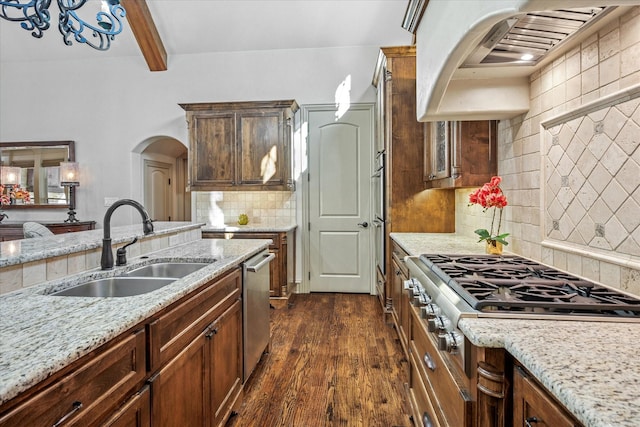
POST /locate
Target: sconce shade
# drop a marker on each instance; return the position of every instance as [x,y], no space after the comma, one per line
[69,173]
[10,175]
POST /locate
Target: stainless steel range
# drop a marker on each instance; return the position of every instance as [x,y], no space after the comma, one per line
[447,288]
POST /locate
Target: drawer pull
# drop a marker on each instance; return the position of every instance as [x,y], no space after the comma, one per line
[211,332]
[428,361]
[76,407]
[426,420]
[530,420]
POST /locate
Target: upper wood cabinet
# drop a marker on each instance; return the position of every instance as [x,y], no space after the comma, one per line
[460,154]
[240,145]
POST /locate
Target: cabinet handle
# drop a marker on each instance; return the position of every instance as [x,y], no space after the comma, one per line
[211,332]
[76,406]
[530,420]
[426,420]
[428,361]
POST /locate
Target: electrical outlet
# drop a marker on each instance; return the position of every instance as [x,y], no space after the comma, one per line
[108,201]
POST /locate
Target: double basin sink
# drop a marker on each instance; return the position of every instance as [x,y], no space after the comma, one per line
[135,282]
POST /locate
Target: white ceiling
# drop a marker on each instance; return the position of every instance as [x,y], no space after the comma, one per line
[201,26]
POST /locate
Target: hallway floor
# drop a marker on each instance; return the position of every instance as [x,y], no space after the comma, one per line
[332,362]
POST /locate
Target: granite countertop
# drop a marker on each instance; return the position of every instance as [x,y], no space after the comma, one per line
[26,250]
[250,228]
[590,367]
[41,334]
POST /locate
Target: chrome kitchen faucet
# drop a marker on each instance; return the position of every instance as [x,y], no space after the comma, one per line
[106,261]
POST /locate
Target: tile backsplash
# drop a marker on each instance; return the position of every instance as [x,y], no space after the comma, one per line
[571,167]
[265,208]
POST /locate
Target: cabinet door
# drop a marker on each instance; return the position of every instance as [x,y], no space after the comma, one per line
[263,148]
[135,413]
[533,406]
[212,150]
[226,362]
[440,146]
[180,391]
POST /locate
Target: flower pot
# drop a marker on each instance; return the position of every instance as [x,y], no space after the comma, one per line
[493,247]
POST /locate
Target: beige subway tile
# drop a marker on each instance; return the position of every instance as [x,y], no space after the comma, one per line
[589,55]
[610,274]
[76,262]
[630,60]
[56,267]
[10,279]
[34,272]
[630,30]
[609,42]
[609,70]
[573,87]
[590,80]
[572,64]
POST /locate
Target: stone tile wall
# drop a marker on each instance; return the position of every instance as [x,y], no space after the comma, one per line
[597,237]
[266,208]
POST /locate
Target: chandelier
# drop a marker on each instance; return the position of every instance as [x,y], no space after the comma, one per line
[34,16]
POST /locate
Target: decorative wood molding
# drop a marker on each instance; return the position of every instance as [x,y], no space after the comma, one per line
[146,34]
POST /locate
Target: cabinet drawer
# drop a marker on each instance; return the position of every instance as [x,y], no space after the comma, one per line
[398,254]
[424,414]
[170,332]
[450,395]
[89,392]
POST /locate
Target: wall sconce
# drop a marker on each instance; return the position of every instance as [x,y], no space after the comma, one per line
[69,177]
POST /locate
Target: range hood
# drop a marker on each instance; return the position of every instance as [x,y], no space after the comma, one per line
[470,55]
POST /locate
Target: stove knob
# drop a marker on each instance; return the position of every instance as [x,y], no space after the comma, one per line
[439,324]
[429,311]
[450,342]
[421,299]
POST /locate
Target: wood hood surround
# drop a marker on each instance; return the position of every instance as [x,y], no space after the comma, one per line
[449,31]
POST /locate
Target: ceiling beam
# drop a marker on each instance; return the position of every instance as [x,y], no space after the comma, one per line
[146,34]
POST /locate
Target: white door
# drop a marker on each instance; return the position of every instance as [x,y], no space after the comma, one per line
[157,190]
[339,165]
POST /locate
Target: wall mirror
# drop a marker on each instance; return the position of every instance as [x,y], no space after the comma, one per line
[39,171]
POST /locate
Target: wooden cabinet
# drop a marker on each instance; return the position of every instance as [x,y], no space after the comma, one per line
[533,406]
[240,145]
[408,207]
[400,299]
[88,391]
[460,154]
[12,230]
[197,345]
[448,398]
[282,268]
[135,413]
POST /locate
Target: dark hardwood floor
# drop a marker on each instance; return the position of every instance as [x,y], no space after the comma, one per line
[333,362]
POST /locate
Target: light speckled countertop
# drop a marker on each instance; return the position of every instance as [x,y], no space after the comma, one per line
[250,228]
[41,334]
[26,250]
[593,368]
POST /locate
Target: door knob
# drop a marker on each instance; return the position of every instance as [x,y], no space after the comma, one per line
[363,224]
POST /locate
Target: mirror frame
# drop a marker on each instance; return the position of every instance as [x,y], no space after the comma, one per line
[72,157]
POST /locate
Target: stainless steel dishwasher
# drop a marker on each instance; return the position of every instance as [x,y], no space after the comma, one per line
[255,309]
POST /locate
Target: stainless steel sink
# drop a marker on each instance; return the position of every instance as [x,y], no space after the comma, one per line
[116,287]
[174,270]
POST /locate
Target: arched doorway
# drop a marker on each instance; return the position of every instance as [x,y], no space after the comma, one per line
[162,171]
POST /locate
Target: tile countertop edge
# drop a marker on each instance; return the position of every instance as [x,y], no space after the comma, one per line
[250,228]
[15,252]
[590,370]
[37,339]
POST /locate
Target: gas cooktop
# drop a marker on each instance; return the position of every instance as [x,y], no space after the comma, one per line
[509,283]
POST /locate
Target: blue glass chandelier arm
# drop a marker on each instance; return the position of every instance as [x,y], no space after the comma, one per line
[33,15]
[108,24]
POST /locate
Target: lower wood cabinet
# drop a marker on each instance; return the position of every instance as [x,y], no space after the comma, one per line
[533,405]
[180,367]
[90,391]
[282,268]
[199,381]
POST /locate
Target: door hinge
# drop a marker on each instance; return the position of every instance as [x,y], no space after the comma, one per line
[309,275]
[169,181]
[309,226]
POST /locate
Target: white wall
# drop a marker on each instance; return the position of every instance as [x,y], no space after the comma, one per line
[109,106]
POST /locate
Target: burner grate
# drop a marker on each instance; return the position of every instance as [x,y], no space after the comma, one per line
[512,283]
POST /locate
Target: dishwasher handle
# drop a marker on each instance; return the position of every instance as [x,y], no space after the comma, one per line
[255,267]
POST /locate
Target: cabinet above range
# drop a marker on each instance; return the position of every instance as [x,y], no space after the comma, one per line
[460,153]
[240,145]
